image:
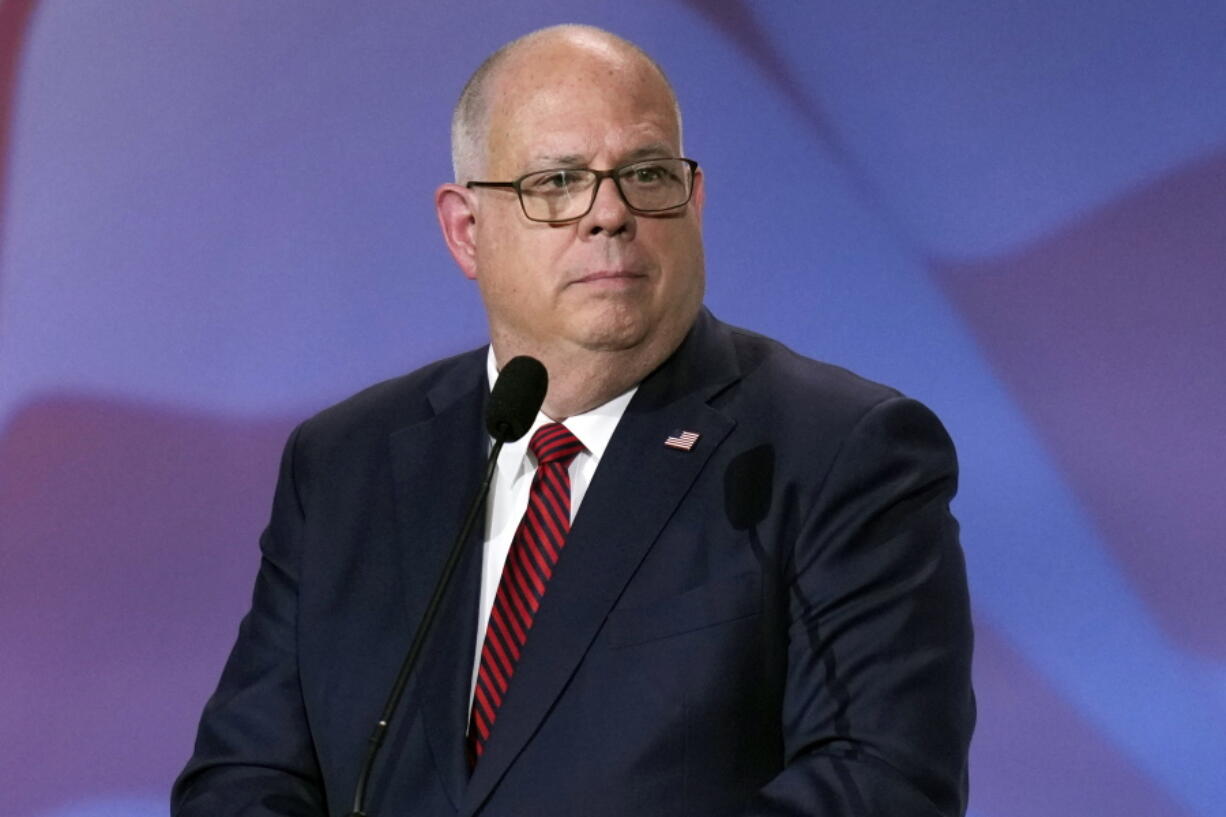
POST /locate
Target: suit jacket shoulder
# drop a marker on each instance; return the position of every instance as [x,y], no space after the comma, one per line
[368,417]
[804,408]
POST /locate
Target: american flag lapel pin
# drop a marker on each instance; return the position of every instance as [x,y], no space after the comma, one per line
[682,440]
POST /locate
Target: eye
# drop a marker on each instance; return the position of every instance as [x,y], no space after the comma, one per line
[647,174]
[552,180]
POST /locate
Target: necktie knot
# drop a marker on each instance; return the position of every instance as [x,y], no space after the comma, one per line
[554,443]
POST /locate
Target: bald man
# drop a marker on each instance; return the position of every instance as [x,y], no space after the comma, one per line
[714,577]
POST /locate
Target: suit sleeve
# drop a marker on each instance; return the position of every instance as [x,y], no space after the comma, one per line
[878,708]
[254,756]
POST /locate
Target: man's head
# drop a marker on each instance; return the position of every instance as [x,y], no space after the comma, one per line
[613,286]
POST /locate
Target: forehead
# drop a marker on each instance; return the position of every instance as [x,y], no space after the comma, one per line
[581,104]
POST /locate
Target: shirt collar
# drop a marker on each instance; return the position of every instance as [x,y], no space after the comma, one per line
[594,428]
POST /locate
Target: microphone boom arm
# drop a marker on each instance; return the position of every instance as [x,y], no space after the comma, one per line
[419,637]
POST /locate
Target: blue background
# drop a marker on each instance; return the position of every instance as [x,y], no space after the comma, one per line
[216,218]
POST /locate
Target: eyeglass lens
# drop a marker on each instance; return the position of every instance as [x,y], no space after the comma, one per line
[560,195]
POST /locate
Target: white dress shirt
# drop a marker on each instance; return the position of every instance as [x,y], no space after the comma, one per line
[508,498]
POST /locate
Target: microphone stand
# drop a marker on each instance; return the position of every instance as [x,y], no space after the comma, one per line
[423,631]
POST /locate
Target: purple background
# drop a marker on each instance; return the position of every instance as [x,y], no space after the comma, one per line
[217,219]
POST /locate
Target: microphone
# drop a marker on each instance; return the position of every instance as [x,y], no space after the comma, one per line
[516,398]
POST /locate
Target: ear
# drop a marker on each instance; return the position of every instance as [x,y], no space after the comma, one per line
[457,217]
[700,193]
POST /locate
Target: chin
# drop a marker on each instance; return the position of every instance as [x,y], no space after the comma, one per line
[611,341]
[614,333]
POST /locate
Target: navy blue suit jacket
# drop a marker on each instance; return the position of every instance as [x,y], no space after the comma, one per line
[773,623]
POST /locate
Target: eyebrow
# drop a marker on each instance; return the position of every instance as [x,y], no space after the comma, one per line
[655,150]
[565,160]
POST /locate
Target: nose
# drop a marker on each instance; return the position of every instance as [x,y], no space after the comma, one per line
[610,215]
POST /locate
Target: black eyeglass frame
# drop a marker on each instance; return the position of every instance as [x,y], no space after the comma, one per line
[601,175]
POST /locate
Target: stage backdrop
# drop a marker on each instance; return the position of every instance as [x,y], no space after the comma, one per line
[217,219]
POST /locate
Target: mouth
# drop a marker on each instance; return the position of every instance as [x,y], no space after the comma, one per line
[610,277]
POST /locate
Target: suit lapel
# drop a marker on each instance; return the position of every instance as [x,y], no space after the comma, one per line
[637,487]
[438,465]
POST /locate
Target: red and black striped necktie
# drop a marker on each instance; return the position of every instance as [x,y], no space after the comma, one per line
[534,552]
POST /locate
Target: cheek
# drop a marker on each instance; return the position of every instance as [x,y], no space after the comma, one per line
[498,254]
[681,258]
[507,238]
[516,275]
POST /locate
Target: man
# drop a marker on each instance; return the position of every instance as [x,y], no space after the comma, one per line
[760,605]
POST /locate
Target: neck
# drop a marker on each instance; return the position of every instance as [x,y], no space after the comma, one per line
[579,385]
[581,379]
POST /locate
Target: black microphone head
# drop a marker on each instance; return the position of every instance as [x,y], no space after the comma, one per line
[516,398]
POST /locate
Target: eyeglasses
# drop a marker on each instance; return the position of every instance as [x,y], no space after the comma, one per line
[568,193]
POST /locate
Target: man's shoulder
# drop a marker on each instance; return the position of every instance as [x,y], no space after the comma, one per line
[782,395]
[774,372]
[400,401]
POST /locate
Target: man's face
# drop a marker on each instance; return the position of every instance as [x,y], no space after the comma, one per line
[613,279]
